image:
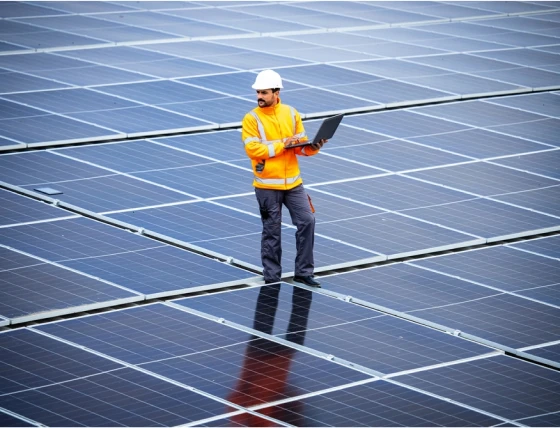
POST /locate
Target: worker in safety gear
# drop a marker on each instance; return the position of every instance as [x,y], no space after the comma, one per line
[268,132]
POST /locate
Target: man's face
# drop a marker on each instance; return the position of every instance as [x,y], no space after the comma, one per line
[266,97]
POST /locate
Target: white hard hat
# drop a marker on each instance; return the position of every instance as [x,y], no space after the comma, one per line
[267,79]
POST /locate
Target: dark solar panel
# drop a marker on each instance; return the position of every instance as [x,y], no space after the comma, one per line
[377,404]
[122,397]
[19,209]
[549,246]
[358,335]
[501,385]
[31,360]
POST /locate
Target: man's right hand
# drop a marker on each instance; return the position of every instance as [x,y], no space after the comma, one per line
[290,141]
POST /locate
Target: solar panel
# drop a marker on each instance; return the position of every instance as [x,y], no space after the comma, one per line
[121,397]
[500,385]
[543,163]
[32,361]
[377,403]
[359,335]
[479,143]
[548,246]
[40,290]
[551,352]
[484,179]
[120,257]
[19,209]
[489,219]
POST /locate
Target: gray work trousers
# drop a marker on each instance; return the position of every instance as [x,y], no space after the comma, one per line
[270,205]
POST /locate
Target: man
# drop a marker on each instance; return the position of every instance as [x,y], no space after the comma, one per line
[268,132]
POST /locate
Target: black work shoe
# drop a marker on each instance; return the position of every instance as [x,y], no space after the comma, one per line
[307,280]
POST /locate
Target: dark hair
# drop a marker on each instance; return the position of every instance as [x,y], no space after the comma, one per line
[275,89]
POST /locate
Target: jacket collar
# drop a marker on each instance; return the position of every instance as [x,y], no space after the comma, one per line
[271,110]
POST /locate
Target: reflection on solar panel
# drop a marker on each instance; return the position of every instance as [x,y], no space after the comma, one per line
[123,178]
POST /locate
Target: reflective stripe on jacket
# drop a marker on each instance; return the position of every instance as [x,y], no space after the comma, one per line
[264,132]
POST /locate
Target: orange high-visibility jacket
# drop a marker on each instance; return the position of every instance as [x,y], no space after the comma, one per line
[264,132]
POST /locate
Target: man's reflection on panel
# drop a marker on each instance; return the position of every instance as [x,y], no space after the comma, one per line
[266,365]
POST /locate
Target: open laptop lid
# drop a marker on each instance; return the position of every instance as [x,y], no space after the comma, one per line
[325,132]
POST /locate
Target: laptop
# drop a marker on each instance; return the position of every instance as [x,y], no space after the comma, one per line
[325,132]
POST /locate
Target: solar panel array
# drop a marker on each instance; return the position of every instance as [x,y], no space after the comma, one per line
[126,200]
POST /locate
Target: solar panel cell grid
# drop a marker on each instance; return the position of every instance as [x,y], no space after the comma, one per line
[477,171]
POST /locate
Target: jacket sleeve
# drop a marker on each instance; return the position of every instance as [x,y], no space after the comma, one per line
[251,138]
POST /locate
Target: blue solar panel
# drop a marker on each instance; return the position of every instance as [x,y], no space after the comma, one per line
[41,290]
[71,101]
[484,179]
[205,181]
[396,155]
[133,156]
[463,84]
[520,56]
[194,222]
[121,397]
[52,129]
[377,403]
[129,260]
[141,121]
[359,335]
[234,83]
[159,92]
[226,145]
[503,386]
[148,333]
[31,360]
[224,111]
[404,287]
[20,82]
[462,62]
[480,113]
[91,75]
[486,218]
[113,192]
[394,192]
[116,55]
[393,68]
[402,124]
[500,267]
[49,39]
[506,319]
[544,163]
[459,44]
[542,131]
[320,101]
[551,352]
[175,68]
[528,77]
[23,9]
[395,235]
[542,103]
[542,200]
[255,373]
[479,143]
[549,246]
[9,420]
[19,209]
[33,168]
[10,110]
[389,91]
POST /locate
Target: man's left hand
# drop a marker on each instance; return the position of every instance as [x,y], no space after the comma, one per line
[318,145]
